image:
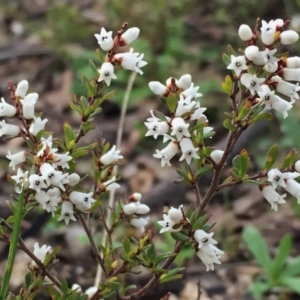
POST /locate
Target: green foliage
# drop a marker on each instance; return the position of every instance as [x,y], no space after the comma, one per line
[278,272]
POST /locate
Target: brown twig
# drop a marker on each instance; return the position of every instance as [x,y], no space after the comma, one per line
[92,242]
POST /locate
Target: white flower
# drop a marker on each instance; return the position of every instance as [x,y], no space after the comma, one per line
[6,110]
[22,88]
[73,179]
[217,155]
[271,67]
[237,64]
[168,225]
[245,33]
[291,74]
[111,185]
[252,82]
[188,150]
[185,105]
[130,208]
[111,156]
[37,125]
[28,104]
[293,187]
[105,39]
[184,82]
[208,252]
[76,287]
[286,88]
[272,196]
[16,159]
[132,61]
[21,180]
[8,129]
[180,128]
[156,127]
[293,62]
[191,91]
[268,32]
[61,160]
[271,100]
[158,88]
[91,291]
[48,201]
[107,73]
[198,113]
[289,37]
[276,178]
[82,201]
[52,176]
[167,153]
[265,57]
[130,35]
[46,146]
[67,212]
[37,182]
[175,214]
[40,253]
[140,223]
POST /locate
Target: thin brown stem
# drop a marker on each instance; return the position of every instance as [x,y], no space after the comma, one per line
[92,242]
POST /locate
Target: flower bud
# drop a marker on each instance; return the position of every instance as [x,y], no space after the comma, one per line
[130,35]
[293,62]
[130,208]
[184,81]
[245,32]
[297,166]
[6,110]
[135,197]
[22,88]
[289,37]
[73,179]
[157,88]
[175,214]
[217,155]
[252,52]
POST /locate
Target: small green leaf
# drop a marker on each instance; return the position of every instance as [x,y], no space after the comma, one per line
[271,157]
[293,268]
[227,85]
[226,59]
[166,279]
[126,245]
[28,280]
[258,288]
[244,163]
[179,236]
[228,125]
[160,115]
[263,116]
[290,159]
[69,134]
[200,222]
[292,283]
[231,50]
[203,170]
[244,110]
[258,247]
[93,66]
[172,101]
[281,257]
[100,56]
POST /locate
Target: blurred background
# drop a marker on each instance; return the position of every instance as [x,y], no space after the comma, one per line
[49,43]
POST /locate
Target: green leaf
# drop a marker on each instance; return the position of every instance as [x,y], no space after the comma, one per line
[150,252]
[281,257]
[290,159]
[166,279]
[172,101]
[179,236]
[263,116]
[258,288]
[28,280]
[244,163]
[200,222]
[293,268]
[228,125]
[93,66]
[100,56]
[271,157]
[76,108]
[258,247]
[245,110]
[231,50]
[69,134]
[226,59]
[203,170]
[236,166]
[227,85]
[160,115]
[126,245]
[292,283]
[162,257]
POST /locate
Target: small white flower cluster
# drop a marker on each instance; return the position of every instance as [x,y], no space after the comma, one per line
[51,178]
[40,253]
[187,110]
[279,70]
[24,105]
[134,208]
[128,60]
[285,180]
[206,249]
[89,292]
